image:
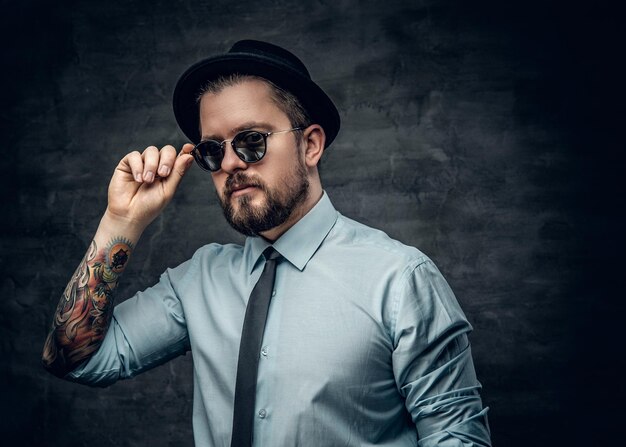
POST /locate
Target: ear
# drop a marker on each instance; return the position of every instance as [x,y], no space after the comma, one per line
[314,140]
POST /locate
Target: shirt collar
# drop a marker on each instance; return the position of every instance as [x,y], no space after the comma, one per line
[301,241]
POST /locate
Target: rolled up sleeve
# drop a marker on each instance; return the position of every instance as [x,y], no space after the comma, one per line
[433,364]
[146,330]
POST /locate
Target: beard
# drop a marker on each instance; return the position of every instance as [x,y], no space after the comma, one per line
[280,203]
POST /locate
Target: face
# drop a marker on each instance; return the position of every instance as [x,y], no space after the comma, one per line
[260,196]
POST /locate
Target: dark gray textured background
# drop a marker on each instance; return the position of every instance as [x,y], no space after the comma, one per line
[484,133]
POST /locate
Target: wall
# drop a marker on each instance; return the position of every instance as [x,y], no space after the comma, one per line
[484,133]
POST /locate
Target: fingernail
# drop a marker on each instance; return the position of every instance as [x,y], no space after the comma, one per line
[138,178]
[188,164]
[149,176]
[164,171]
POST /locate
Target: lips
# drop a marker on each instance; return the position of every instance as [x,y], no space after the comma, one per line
[237,185]
[241,189]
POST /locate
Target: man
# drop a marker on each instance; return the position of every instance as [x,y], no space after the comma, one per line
[319,331]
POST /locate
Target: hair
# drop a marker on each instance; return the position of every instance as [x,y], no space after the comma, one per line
[287,102]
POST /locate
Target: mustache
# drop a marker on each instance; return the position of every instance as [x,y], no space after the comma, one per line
[237,180]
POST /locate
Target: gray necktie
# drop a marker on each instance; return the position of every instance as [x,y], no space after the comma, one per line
[249,349]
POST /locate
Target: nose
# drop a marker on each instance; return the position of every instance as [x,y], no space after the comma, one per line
[231,162]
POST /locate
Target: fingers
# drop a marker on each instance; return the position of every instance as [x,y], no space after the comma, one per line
[150,163]
[166,161]
[146,167]
[135,163]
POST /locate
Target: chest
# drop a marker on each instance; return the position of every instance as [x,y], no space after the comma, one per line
[322,323]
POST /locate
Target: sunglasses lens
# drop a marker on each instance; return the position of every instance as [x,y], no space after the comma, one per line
[250,146]
[209,155]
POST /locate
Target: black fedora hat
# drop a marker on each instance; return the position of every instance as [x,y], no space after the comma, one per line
[252,57]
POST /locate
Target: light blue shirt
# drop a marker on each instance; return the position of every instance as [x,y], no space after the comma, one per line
[365,343]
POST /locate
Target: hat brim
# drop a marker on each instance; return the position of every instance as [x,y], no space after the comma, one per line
[186,110]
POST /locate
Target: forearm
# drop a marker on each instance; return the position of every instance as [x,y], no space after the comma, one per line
[84,311]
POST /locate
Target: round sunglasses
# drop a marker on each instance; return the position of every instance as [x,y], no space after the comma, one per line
[249,145]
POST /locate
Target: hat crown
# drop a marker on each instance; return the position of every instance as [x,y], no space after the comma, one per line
[272,52]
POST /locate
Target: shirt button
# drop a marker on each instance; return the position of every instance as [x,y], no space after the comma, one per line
[273,293]
[262,413]
[264,351]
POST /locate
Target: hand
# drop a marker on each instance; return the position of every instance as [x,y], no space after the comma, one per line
[144,183]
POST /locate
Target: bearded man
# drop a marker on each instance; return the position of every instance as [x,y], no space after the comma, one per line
[319,331]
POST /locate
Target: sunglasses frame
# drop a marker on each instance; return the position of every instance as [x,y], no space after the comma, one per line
[200,159]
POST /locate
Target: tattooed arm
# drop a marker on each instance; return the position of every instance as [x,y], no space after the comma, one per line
[136,196]
[84,311]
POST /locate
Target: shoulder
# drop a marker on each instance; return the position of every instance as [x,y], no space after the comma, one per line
[375,244]
[206,258]
[213,250]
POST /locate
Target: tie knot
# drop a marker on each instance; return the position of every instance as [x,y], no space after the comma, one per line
[271,254]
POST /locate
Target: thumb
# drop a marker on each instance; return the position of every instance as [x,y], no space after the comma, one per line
[181,166]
